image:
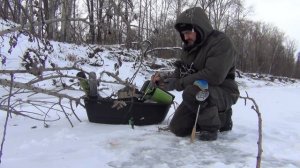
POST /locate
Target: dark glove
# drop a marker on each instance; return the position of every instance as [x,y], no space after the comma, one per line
[170,84]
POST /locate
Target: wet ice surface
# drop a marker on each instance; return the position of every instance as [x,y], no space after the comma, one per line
[29,144]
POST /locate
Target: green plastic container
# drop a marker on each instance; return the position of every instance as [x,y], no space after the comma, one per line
[157,94]
[161,96]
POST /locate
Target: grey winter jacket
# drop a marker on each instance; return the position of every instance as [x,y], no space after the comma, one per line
[213,58]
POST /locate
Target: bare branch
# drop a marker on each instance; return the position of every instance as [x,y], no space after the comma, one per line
[44,70]
[22,113]
[60,104]
[6,119]
[36,23]
[163,48]
[259,142]
[19,85]
[141,61]
[71,105]
[119,80]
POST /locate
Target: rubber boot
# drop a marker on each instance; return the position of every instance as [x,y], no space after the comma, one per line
[208,135]
[227,126]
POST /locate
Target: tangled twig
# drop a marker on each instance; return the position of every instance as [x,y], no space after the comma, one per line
[141,61]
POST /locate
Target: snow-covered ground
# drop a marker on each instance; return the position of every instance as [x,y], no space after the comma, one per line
[29,144]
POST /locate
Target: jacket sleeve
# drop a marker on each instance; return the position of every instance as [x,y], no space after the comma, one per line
[220,58]
[175,73]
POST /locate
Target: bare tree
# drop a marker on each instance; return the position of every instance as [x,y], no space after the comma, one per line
[90,6]
[50,8]
[297,67]
[100,20]
[66,9]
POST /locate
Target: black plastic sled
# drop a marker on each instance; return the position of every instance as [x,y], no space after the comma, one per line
[101,110]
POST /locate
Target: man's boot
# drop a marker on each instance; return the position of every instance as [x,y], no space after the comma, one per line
[227,126]
[209,124]
[208,135]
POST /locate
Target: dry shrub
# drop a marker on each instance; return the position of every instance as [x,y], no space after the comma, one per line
[71,57]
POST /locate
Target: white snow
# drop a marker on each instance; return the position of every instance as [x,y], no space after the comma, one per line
[29,144]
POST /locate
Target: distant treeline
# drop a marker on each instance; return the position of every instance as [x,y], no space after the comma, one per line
[262,48]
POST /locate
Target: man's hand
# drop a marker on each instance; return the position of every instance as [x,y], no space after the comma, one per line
[170,84]
[156,79]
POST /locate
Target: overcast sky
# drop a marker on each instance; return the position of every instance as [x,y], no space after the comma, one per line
[284,14]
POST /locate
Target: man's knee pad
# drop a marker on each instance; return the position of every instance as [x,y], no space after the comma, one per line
[189,93]
[189,98]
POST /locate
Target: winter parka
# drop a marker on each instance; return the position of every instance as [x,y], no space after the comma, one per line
[212,58]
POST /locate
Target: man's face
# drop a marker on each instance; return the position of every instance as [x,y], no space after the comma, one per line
[189,37]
